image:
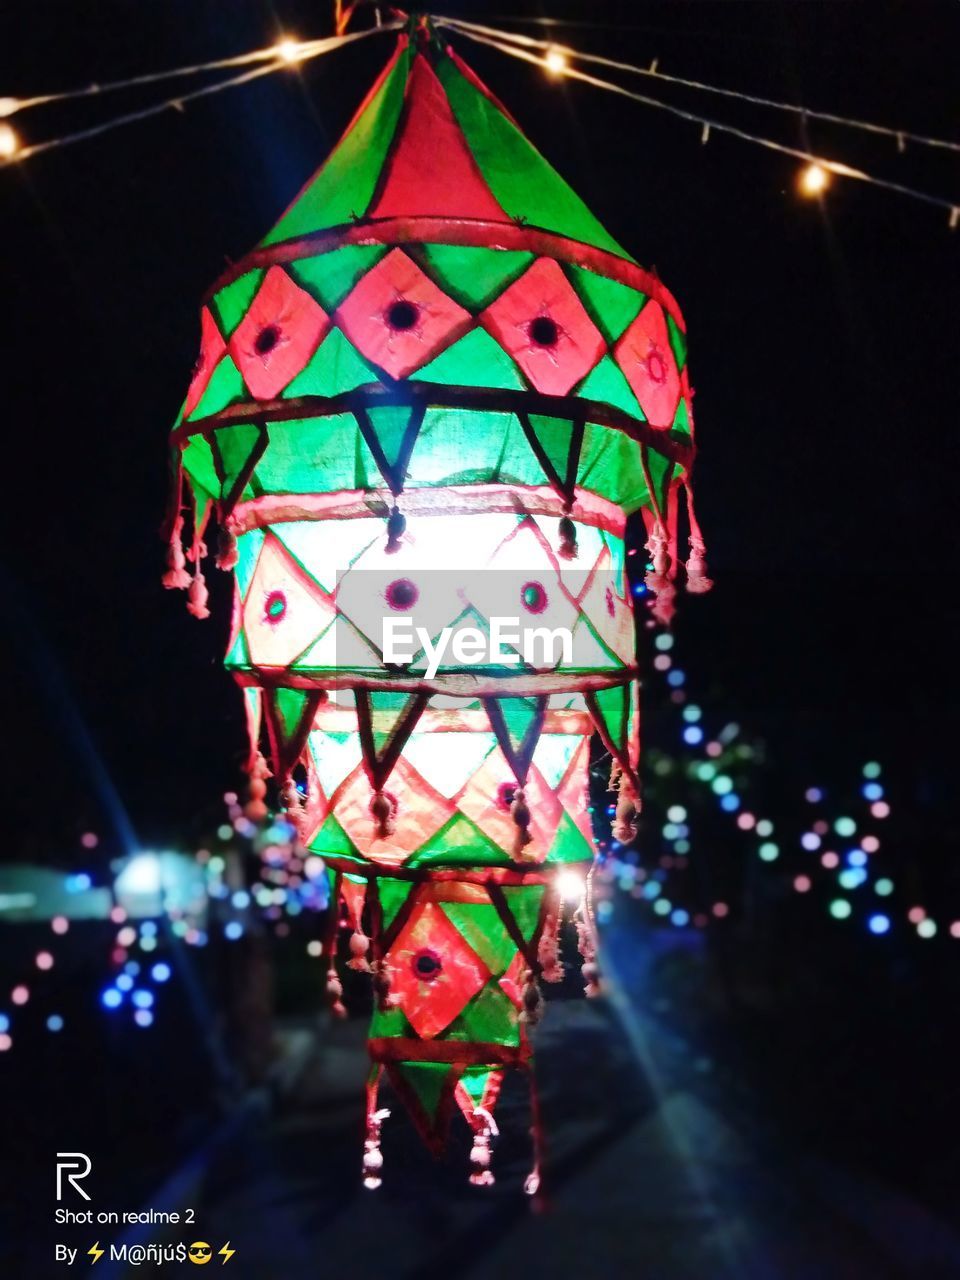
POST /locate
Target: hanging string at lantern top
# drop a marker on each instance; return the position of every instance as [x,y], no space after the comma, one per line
[836,167]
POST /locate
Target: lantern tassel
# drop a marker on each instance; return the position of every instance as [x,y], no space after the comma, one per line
[256,808]
[396,528]
[227,553]
[372,1155]
[521,816]
[698,580]
[176,578]
[485,1129]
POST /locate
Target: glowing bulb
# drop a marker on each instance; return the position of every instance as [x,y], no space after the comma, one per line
[555,61]
[289,50]
[814,180]
[570,886]
[9,142]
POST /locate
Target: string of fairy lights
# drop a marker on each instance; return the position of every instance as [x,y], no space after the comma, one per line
[557,60]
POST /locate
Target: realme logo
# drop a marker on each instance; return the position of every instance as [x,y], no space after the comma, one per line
[76,1166]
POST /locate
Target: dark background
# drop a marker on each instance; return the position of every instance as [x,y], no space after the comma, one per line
[823,346]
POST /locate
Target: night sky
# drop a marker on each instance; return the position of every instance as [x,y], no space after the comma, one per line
[823,350]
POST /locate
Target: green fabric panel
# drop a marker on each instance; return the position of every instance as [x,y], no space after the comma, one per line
[524,902]
[329,277]
[474,1080]
[554,436]
[199,465]
[489,1018]
[518,716]
[483,929]
[238,657]
[681,419]
[390,1022]
[388,709]
[317,455]
[427,1080]
[346,183]
[332,840]
[248,550]
[230,305]
[459,843]
[474,277]
[334,368]
[289,706]
[612,705]
[477,360]
[390,425]
[226,386]
[610,466]
[606,383]
[235,444]
[468,446]
[393,894]
[611,305]
[678,340]
[522,182]
[569,844]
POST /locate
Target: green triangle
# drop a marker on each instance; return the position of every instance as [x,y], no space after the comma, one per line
[344,186]
[681,419]
[199,465]
[289,707]
[474,277]
[519,716]
[480,924]
[236,443]
[391,423]
[678,340]
[428,1081]
[332,840]
[489,1018]
[524,902]
[612,305]
[334,368]
[459,843]
[611,704]
[474,1080]
[387,712]
[329,277]
[477,360]
[553,436]
[391,1022]
[607,384]
[569,843]
[225,387]
[231,303]
[393,894]
[238,655]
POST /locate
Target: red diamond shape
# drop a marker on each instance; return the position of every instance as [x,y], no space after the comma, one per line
[212,347]
[278,335]
[542,323]
[398,318]
[645,356]
[433,972]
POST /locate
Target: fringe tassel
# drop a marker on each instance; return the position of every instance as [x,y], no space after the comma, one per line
[587,943]
[484,1130]
[568,537]
[521,817]
[256,809]
[176,578]
[293,804]
[532,1010]
[548,953]
[384,811]
[335,994]
[227,553]
[381,986]
[628,806]
[698,580]
[359,947]
[372,1155]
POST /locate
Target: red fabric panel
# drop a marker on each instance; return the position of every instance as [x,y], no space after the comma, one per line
[543,297]
[431,170]
[429,943]
[646,358]
[212,347]
[278,335]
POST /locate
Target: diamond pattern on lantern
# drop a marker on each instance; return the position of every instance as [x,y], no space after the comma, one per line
[212,347]
[646,358]
[284,609]
[276,338]
[542,323]
[434,972]
[398,318]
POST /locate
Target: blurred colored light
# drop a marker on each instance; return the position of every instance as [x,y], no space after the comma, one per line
[813,795]
[851,878]
[160,972]
[693,735]
[879,924]
[927,928]
[20,995]
[768,851]
[829,859]
[111,998]
[663,641]
[870,844]
[143,1018]
[4,1022]
[916,914]
[44,960]
[675,679]
[677,813]
[746,821]
[692,714]
[662,907]
[955,929]
[241,899]
[233,930]
[143,999]
[884,887]
[764,827]
[60,924]
[730,803]
[840,909]
[662,662]
[5,1043]
[680,918]
[124,982]
[54,1022]
[871,769]
[720,909]
[810,841]
[872,791]
[845,826]
[857,858]
[802,884]
[722,785]
[880,809]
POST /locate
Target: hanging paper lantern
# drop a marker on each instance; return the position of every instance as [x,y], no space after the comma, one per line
[434,393]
